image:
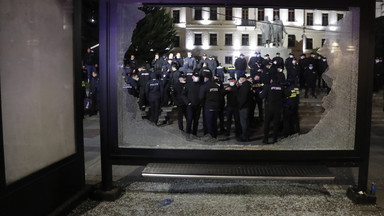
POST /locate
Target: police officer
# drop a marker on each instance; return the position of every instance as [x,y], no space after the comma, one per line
[165,82]
[257,87]
[273,95]
[291,123]
[280,75]
[220,72]
[252,106]
[267,60]
[240,65]
[203,60]
[212,65]
[310,76]
[244,99]
[211,97]
[222,104]
[178,60]
[288,61]
[153,92]
[231,70]
[144,77]
[278,61]
[190,96]
[322,66]
[255,63]
[303,64]
[232,108]
[191,61]
[157,64]
[293,70]
[132,85]
[178,100]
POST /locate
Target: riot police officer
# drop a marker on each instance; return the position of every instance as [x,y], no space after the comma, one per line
[244,99]
[291,123]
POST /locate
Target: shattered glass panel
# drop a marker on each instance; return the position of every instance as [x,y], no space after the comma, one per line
[335,129]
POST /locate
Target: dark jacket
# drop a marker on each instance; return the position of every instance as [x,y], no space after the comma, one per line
[280,61]
[157,65]
[178,89]
[94,85]
[144,77]
[274,95]
[132,87]
[153,90]
[191,93]
[211,96]
[212,65]
[310,76]
[232,96]
[89,59]
[241,64]
[245,95]
[191,62]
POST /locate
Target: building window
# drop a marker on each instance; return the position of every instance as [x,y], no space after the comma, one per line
[198,14]
[260,14]
[322,42]
[244,13]
[291,15]
[198,39]
[213,13]
[176,16]
[276,12]
[325,19]
[291,40]
[245,39]
[228,60]
[228,39]
[309,19]
[340,16]
[259,40]
[228,13]
[176,42]
[309,43]
[213,39]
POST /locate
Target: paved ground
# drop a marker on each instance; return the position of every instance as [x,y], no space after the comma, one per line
[144,196]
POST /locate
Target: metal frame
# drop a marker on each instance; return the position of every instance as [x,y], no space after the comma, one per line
[42,191]
[112,154]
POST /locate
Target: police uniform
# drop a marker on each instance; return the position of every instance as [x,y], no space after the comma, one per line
[153,93]
[144,77]
[244,101]
[241,66]
[191,99]
[220,72]
[231,70]
[232,109]
[211,96]
[279,61]
[165,83]
[310,76]
[255,63]
[273,94]
[132,86]
[178,89]
[291,123]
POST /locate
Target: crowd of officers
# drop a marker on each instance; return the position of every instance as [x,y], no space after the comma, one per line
[197,87]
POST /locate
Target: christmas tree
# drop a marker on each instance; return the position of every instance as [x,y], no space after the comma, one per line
[155,33]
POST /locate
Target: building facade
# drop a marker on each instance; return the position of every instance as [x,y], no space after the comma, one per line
[227,32]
